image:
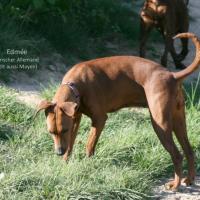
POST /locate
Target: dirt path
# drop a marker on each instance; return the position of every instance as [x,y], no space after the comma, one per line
[31,97]
[29,87]
[28,90]
[184,193]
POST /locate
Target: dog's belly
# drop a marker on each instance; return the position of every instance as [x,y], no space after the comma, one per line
[112,96]
[130,96]
[127,103]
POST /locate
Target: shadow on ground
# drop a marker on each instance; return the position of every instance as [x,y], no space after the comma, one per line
[184,193]
[6,131]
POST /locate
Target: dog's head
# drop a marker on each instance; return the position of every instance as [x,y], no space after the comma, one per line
[60,122]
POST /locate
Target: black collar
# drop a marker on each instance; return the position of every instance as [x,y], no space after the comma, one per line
[74,89]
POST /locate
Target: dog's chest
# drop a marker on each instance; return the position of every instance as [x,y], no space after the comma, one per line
[154,13]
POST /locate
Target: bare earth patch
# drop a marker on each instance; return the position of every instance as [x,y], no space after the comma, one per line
[28,91]
[184,193]
[30,98]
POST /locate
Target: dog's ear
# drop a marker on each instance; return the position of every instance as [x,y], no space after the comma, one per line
[69,108]
[44,105]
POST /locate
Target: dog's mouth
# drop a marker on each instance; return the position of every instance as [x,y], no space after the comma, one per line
[60,151]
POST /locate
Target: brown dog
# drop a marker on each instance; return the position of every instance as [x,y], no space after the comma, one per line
[169,17]
[104,85]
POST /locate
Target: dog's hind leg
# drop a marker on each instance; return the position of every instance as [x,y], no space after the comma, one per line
[166,50]
[164,134]
[179,127]
[161,117]
[168,34]
[170,46]
[184,51]
[145,30]
[184,41]
[98,122]
[164,56]
[184,27]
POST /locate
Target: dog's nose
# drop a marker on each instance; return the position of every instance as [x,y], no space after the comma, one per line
[60,151]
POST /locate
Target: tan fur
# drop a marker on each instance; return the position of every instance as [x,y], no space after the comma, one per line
[108,84]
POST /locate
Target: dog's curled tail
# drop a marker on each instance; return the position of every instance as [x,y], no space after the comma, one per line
[195,64]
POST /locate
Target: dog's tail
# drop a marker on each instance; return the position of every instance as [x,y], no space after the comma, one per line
[195,64]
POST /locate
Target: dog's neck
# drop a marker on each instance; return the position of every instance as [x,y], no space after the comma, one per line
[74,90]
[67,92]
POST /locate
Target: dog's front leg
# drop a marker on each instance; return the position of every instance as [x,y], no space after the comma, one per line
[165,135]
[73,136]
[162,123]
[170,47]
[166,50]
[184,27]
[164,56]
[98,123]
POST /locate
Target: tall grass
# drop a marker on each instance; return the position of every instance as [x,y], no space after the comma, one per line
[192,94]
[128,163]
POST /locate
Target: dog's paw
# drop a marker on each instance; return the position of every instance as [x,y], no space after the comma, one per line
[187,181]
[180,66]
[89,153]
[172,185]
[180,57]
[66,157]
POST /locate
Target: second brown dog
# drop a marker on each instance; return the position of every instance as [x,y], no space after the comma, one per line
[169,17]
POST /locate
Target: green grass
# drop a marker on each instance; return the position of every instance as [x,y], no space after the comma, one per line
[192,94]
[49,91]
[129,158]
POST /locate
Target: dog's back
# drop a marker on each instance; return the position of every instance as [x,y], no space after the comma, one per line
[114,82]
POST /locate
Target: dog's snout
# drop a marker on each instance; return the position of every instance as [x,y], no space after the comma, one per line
[60,151]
